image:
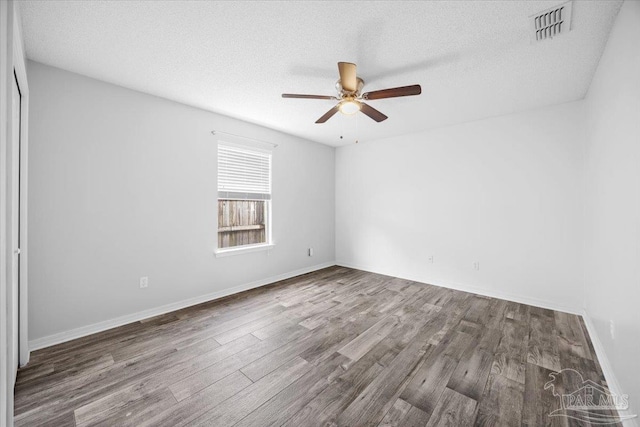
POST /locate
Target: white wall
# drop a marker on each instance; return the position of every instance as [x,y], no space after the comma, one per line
[612,214]
[123,185]
[505,191]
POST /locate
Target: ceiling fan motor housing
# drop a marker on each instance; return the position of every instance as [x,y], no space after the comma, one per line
[345,94]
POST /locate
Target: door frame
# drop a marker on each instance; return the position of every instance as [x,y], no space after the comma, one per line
[6,10]
[19,68]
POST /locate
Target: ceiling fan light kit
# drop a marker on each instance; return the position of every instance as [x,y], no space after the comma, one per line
[351,98]
[349,106]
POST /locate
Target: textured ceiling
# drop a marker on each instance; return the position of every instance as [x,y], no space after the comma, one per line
[473,59]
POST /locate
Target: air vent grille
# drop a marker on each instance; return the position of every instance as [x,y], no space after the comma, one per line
[552,22]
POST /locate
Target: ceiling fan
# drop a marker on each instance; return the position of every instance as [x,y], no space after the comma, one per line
[350,96]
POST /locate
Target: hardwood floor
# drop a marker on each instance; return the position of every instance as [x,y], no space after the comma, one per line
[335,347]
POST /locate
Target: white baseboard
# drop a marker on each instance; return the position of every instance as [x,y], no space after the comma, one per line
[157,311]
[607,370]
[478,291]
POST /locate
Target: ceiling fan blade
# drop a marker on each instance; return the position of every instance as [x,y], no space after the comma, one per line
[328,115]
[372,112]
[295,95]
[393,92]
[348,76]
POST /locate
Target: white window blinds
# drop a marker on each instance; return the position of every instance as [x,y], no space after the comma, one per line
[243,173]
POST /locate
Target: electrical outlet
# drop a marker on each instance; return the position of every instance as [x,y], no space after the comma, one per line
[431,259]
[310,252]
[612,329]
[476,265]
[144,282]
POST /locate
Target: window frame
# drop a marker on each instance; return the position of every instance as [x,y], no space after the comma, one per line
[269,243]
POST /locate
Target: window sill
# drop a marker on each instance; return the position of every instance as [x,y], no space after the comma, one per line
[243,250]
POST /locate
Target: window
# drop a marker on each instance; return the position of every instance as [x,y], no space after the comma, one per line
[244,196]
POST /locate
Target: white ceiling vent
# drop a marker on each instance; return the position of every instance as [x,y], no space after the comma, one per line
[551,22]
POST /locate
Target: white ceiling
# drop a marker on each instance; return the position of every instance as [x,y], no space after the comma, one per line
[473,59]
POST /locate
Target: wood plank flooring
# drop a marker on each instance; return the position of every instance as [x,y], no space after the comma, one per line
[337,347]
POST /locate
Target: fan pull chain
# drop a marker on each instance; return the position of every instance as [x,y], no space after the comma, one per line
[357,131]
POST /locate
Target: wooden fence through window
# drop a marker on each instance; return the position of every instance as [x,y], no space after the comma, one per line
[241,222]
